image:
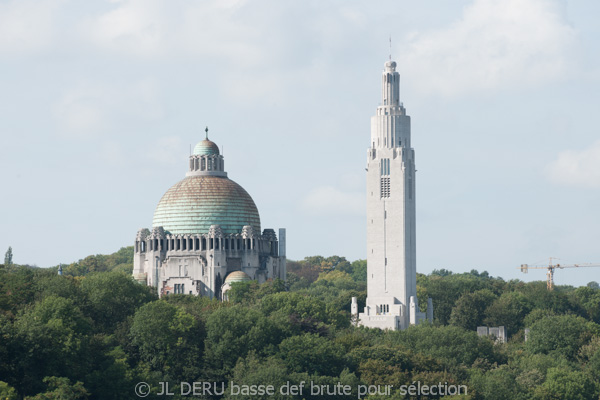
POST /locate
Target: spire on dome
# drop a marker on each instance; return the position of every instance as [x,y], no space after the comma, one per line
[206,146]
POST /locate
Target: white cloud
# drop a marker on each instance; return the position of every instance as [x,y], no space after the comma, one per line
[217,31]
[89,108]
[331,201]
[495,44]
[577,168]
[257,46]
[156,28]
[133,26]
[27,25]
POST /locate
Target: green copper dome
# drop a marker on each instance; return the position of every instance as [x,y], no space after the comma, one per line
[206,148]
[195,203]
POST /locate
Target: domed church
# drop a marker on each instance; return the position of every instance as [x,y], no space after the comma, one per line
[206,234]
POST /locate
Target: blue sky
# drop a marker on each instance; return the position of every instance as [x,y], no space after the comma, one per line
[101,101]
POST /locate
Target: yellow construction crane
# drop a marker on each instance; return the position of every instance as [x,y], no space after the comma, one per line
[551,267]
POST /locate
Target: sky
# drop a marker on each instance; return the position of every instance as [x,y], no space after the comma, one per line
[101,100]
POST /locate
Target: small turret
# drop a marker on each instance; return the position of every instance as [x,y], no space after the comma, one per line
[413,310]
[206,159]
[354,308]
[430,310]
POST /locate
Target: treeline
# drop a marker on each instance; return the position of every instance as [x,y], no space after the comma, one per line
[121,260]
[94,333]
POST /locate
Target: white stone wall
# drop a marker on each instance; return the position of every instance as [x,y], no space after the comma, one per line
[202,272]
[391,198]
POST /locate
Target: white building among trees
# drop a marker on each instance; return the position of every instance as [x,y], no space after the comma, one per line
[391,250]
[206,234]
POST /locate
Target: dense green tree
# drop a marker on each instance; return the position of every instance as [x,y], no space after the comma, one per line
[113,296]
[94,264]
[46,283]
[449,344]
[256,371]
[532,368]
[243,292]
[313,354]
[335,276]
[8,258]
[338,279]
[62,389]
[232,332]
[508,310]
[359,270]
[446,290]
[540,297]
[387,365]
[293,303]
[441,272]
[7,353]
[49,339]
[169,340]
[395,359]
[198,306]
[250,292]
[295,282]
[562,383]
[496,384]
[535,315]
[304,270]
[356,269]
[120,261]
[561,334]
[378,372]
[326,263]
[311,267]
[107,363]
[7,392]
[16,289]
[469,311]
[589,301]
[478,274]
[345,378]
[95,325]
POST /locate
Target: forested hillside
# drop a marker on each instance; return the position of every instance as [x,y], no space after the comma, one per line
[94,333]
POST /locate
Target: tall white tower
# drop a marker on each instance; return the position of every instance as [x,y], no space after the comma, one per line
[391,251]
